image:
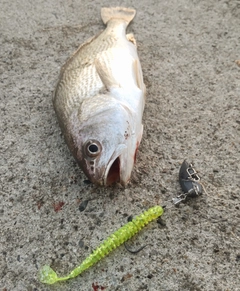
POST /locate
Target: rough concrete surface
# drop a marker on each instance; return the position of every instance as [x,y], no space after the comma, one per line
[188,51]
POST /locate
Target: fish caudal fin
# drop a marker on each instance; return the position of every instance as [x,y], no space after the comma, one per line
[127,14]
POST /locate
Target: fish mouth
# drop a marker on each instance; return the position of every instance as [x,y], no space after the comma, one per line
[113,175]
[112,172]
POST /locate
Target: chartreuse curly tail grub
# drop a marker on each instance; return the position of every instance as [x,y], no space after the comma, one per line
[48,276]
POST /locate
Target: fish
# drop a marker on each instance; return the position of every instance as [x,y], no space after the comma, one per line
[99,101]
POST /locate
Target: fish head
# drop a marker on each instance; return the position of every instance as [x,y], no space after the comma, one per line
[102,141]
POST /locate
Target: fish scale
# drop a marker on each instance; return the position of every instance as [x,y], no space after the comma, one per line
[81,77]
[83,90]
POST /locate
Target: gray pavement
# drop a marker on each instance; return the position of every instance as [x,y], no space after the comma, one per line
[188,51]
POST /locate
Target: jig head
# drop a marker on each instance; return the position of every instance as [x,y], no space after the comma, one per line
[189,181]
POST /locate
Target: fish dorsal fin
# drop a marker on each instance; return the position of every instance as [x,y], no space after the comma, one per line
[116,67]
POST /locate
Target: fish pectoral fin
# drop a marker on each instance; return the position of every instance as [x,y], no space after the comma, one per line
[104,71]
[117,68]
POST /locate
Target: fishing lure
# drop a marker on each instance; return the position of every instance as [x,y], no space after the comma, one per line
[48,275]
[189,181]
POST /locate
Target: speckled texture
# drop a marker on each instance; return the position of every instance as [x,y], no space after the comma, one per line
[188,51]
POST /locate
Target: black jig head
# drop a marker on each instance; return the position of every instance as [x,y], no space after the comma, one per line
[189,181]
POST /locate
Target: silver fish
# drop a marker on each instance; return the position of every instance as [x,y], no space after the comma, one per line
[99,101]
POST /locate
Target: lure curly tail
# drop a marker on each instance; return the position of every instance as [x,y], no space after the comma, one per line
[48,276]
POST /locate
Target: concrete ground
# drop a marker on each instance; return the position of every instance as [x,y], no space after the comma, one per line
[188,51]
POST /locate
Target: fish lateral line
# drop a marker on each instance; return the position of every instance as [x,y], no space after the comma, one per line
[48,276]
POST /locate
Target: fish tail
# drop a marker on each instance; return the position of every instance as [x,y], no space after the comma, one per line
[127,14]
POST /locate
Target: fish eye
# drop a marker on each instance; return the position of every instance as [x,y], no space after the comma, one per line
[92,148]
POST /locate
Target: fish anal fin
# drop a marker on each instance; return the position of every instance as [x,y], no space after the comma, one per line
[131,38]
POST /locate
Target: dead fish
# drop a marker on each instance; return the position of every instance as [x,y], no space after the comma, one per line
[99,101]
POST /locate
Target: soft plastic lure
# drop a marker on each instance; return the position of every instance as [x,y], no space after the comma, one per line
[48,276]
